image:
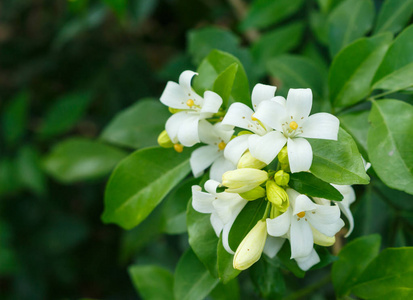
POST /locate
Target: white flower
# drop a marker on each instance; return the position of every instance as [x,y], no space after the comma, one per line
[292,121]
[217,137]
[223,207]
[299,221]
[242,116]
[183,126]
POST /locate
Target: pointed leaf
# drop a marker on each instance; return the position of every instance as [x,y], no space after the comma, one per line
[394,15]
[224,83]
[307,184]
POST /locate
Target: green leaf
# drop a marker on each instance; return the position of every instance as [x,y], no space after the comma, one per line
[119,7]
[78,159]
[308,184]
[284,256]
[348,22]
[228,291]
[389,274]
[353,69]
[338,162]
[299,72]
[140,182]
[138,126]
[29,169]
[252,212]
[152,282]
[202,238]
[267,279]
[352,261]
[357,124]
[226,271]
[224,83]
[212,66]
[9,176]
[64,114]
[14,119]
[202,41]
[389,143]
[192,280]
[277,41]
[396,70]
[264,13]
[393,15]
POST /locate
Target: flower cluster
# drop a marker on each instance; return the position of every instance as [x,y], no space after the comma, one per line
[255,165]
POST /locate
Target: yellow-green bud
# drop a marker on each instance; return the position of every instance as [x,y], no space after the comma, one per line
[277,196]
[281,178]
[283,156]
[322,239]
[164,140]
[251,247]
[274,212]
[249,161]
[243,180]
[253,194]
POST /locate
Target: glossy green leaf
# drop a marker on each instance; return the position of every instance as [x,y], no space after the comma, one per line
[226,271]
[152,282]
[202,238]
[78,159]
[29,169]
[393,15]
[138,126]
[264,13]
[353,69]
[389,143]
[338,162]
[396,70]
[389,274]
[284,256]
[192,280]
[357,124]
[352,261]
[277,41]
[268,279]
[228,291]
[308,184]
[224,83]
[14,118]
[212,66]
[140,182]
[348,22]
[245,221]
[64,114]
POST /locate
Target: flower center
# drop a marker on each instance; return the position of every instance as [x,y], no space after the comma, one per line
[178,148]
[190,103]
[222,146]
[293,125]
[301,214]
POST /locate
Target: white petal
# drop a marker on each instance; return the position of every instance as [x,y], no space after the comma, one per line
[188,131]
[326,219]
[216,223]
[260,93]
[301,238]
[206,132]
[349,196]
[272,114]
[219,167]
[300,154]
[292,195]
[280,100]
[303,204]
[321,126]
[299,102]
[322,201]
[236,148]
[202,202]
[280,225]
[347,212]
[211,186]
[227,227]
[212,102]
[174,123]
[185,80]
[273,245]
[307,262]
[238,115]
[174,96]
[202,158]
[223,132]
[266,148]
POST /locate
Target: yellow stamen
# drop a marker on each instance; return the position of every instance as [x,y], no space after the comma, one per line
[190,103]
[253,118]
[178,148]
[222,146]
[301,214]
[293,125]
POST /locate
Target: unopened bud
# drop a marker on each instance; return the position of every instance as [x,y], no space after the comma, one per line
[254,194]
[243,180]
[274,212]
[283,156]
[249,161]
[277,196]
[281,178]
[164,141]
[251,247]
[322,239]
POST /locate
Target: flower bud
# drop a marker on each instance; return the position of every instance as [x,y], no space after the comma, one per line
[322,239]
[254,194]
[243,180]
[249,161]
[277,196]
[283,156]
[281,178]
[274,212]
[251,247]
[164,140]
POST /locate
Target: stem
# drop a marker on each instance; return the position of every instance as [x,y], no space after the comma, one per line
[267,210]
[387,93]
[300,294]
